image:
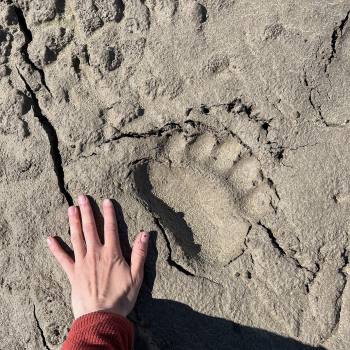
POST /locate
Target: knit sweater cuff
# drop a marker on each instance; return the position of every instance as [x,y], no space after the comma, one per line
[101,328]
[103,321]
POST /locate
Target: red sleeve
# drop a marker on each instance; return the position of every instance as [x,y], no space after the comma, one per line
[100,330]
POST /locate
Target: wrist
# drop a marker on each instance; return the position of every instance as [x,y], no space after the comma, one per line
[87,311]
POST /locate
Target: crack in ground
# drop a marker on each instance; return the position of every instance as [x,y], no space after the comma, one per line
[169,259]
[40,329]
[243,250]
[53,140]
[24,49]
[158,132]
[337,33]
[273,239]
[282,252]
[339,301]
[153,132]
[317,109]
[309,284]
[312,103]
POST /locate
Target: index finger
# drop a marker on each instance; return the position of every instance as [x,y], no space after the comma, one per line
[111,228]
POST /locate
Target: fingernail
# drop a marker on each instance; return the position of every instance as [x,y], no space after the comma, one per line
[49,240]
[72,210]
[107,201]
[82,199]
[144,237]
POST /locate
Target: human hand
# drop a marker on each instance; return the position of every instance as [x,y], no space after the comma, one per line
[100,278]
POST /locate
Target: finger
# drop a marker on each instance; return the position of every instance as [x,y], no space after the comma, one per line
[61,256]
[111,227]
[138,256]
[89,225]
[76,236]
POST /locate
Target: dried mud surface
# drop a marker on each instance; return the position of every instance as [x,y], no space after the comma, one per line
[221,126]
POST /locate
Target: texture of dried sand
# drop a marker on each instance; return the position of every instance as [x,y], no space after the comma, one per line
[221,126]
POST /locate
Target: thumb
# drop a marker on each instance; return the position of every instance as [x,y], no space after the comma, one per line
[61,256]
[138,256]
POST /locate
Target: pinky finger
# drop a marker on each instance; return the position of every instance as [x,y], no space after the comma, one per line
[61,256]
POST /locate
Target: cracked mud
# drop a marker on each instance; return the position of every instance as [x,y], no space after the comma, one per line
[219,126]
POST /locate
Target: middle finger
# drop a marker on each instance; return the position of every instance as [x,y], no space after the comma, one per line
[88,221]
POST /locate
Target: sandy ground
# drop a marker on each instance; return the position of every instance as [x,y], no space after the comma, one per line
[220,126]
